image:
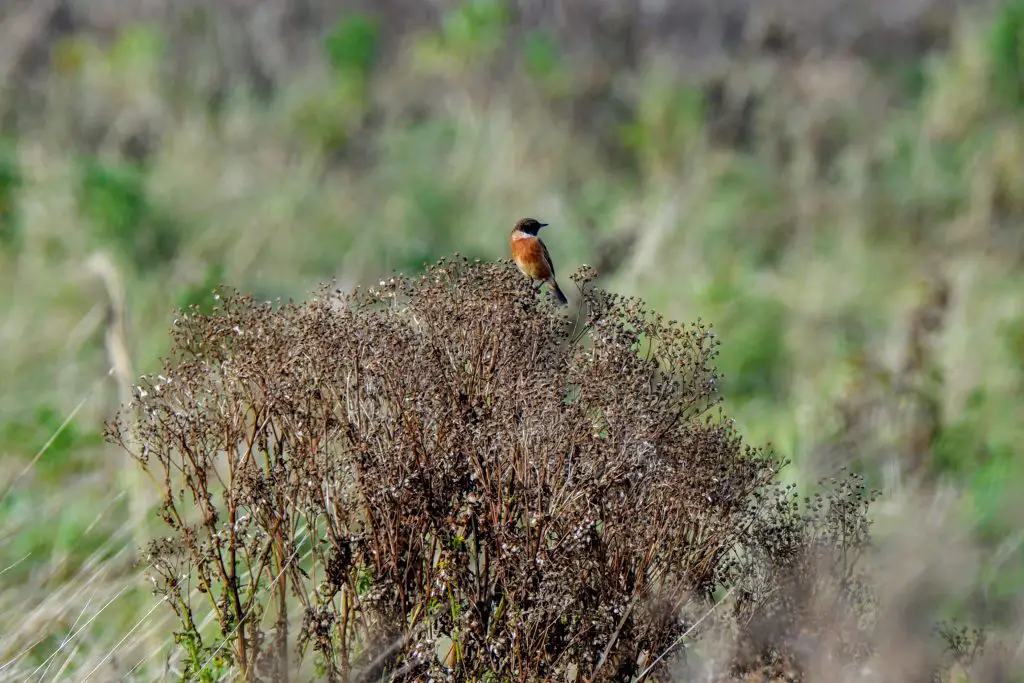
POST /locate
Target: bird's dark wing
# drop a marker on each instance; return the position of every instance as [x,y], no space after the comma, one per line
[547,257]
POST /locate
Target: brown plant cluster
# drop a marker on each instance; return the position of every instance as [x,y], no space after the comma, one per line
[444,478]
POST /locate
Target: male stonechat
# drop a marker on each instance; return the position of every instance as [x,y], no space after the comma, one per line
[532,256]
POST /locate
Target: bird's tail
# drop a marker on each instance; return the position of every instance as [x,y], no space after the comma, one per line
[558,293]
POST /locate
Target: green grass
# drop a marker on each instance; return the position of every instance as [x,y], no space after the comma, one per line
[805,263]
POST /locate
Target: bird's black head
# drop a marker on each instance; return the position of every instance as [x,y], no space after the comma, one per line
[531,226]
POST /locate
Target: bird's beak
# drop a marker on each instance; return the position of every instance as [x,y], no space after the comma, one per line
[543,225]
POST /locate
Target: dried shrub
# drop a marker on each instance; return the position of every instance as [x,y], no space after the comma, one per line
[444,478]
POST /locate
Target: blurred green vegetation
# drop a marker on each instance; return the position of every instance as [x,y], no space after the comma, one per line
[10,183]
[802,228]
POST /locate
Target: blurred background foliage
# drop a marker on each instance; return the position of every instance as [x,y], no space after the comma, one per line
[837,187]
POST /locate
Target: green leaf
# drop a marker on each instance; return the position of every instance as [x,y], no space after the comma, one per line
[352,45]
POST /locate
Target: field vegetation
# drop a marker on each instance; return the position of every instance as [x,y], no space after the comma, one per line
[834,194]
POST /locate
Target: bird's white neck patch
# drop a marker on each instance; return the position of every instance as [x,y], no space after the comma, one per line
[520,235]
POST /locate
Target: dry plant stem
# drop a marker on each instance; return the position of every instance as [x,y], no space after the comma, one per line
[611,641]
[230,575]
[681,638]
[115,337]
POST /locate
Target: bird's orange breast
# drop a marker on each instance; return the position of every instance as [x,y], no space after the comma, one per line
[529,256]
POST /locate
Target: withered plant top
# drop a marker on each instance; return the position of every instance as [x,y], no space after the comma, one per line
[447,458]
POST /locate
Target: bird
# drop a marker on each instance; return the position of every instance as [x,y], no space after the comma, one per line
[532,257]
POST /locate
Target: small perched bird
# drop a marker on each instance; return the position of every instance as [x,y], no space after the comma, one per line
[532,256]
